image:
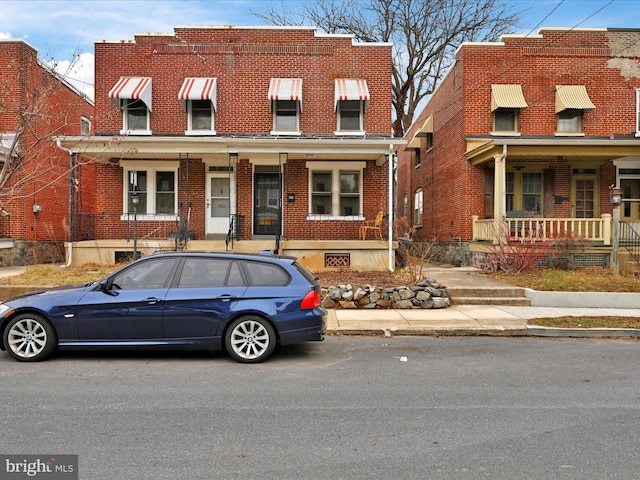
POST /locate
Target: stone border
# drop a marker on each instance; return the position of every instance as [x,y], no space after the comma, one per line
[426,294]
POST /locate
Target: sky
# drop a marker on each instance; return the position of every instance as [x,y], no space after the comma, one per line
[65,30]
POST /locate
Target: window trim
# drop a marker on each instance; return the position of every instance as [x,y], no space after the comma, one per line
[134,165]
[570,133]
[190,130]
[335,168]
[274,108]
[516,124]
[125,125]
[517,192]
[637,112]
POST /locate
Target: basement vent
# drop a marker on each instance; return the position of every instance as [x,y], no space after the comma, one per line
[591,259]
[336,260]
[123,257]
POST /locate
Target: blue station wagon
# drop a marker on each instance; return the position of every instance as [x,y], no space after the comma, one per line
[243,303]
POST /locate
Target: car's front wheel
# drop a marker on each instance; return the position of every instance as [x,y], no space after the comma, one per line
[29,338]
[250,339]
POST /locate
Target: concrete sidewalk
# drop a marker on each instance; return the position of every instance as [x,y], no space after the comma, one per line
[499,320]
[458,320]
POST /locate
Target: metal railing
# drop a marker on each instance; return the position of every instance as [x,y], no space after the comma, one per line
[630,238]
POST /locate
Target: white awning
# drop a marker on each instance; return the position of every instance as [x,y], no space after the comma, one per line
[351,89]
[572,97]
[198,89]
[507,96]
[132,88]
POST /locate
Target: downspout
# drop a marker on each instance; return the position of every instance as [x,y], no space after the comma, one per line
[70,241]
[390,158]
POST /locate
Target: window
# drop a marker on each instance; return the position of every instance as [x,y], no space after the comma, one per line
[285,116]
[524,191]
[200,116]
[570,121]
[204,272]
[156,189]
[152,274]
[405,205]
[505,120]
[417,157]
[350,116]
[135,116]
[429,138]
[336,191]
[417,208]
[85,126]
[265,274]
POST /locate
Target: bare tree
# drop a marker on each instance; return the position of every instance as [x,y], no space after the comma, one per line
[425,34]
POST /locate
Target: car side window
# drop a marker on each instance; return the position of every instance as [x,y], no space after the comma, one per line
[204,272]
[266,274]
[151,274]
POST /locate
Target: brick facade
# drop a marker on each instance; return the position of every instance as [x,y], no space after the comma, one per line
[455,175]
[37,105]
[243,61]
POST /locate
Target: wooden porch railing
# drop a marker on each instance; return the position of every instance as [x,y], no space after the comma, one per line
[597,230]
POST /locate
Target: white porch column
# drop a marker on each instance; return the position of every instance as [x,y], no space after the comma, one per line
[500,193]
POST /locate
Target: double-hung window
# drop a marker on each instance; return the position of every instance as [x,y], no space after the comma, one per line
[336,191]
[524,192]
[571,102]
[350,116]
[570,121]
[135,116]
[200,116]
[417,208]
[156,190]
[285,116]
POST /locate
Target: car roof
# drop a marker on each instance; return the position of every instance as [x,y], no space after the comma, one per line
[232,255]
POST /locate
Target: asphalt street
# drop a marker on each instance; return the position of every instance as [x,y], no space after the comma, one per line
[347,408]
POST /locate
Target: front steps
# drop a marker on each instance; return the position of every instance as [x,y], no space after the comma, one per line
[513,296]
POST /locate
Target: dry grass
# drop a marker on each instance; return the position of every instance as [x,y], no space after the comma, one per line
[586,279]
[54,275]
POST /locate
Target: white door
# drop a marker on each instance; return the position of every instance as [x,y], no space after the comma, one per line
[220,202]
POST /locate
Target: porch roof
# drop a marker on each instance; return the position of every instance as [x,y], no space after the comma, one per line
[482,149]
[210,148]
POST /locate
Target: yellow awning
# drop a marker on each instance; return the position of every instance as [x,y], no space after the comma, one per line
[415,143]
[427,126]
[507,96]
[572,97]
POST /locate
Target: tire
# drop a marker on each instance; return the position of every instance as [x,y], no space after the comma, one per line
[250,339]
[29,338]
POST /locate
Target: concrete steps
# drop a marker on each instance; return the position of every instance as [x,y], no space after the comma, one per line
[513,296]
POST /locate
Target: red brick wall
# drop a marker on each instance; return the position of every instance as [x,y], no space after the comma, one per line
[36,101]
[244,60]
[461,106]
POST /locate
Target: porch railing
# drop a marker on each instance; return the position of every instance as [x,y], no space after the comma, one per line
[596,230]
[630,238]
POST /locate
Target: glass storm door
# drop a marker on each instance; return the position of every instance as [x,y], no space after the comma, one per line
[630,208]
[585,197]
[266,211]
[220,202]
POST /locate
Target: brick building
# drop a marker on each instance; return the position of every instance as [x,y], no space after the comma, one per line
[523,139]
[246,138]
[36,104]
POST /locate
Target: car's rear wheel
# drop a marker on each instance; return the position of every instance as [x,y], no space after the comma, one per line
[250,339]
[29,338]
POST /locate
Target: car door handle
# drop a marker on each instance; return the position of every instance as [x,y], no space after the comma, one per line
[226,297]
[151,300]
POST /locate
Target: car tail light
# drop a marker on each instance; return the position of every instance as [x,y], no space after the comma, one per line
[311,300]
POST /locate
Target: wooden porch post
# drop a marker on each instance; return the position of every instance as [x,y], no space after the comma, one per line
[500,193]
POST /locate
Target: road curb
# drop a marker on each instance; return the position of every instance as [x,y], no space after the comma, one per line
[528,331]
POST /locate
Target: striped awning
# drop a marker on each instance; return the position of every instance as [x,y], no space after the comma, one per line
[351,89]
[198,89]
[132,88]
[572,97]
[285,89]
[507,96]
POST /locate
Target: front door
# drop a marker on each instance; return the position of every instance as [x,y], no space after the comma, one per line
[630,209]
[220,202]
[585,196]
[266,211]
